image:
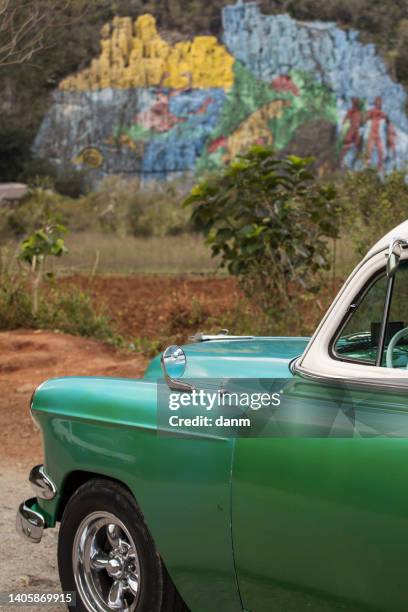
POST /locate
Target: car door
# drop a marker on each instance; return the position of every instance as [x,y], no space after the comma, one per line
[320,506]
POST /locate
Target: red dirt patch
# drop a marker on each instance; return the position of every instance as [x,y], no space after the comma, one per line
[170,309]
[29,357]
[148,306]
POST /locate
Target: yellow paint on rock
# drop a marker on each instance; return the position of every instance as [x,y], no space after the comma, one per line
[90,157]
[133,54]
[255,128]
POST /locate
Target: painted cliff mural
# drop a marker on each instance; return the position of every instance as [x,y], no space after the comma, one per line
[154,109]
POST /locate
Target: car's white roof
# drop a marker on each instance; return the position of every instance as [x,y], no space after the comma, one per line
[399,231]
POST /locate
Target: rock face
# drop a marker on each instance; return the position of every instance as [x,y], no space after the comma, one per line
[156,110]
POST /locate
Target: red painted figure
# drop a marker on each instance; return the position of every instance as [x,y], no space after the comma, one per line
[355,119]
[158,116]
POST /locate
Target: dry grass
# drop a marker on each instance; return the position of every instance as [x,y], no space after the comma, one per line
[98,253]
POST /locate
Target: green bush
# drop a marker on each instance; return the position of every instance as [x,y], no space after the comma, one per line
[37,171]
[72,311]
[24,217]
[57,307]
[157,214]
[15,305]
[269,220]
[66,309]
[71,183]
[120,207]
[371,205]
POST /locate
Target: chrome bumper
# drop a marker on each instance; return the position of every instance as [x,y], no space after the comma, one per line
[41,483]
[29,523]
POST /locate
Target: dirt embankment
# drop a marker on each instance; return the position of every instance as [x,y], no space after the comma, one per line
[153,306]
[27,358]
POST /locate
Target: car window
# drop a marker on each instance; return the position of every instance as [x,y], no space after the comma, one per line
[358,340]
[398,318]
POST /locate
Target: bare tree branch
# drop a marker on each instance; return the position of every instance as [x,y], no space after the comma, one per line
[25,24]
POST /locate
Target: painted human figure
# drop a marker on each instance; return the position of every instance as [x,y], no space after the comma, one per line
[355,119]
[377,116]
[158,116]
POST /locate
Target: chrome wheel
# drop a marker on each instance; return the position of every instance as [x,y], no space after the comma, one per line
[106,564]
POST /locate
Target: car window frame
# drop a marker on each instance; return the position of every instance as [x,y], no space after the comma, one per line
[352,309]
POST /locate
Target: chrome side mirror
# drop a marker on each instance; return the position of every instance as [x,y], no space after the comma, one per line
[173,363]
[393,258]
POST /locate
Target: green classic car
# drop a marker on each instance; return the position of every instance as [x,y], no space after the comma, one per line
[309,512]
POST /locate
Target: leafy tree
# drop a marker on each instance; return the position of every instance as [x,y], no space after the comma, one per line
[45,242]
[269,220]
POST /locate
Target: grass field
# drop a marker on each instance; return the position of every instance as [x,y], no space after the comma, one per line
[93,253]
[110,254]
[98,253]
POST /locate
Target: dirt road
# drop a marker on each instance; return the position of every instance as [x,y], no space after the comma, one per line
[26,359]
[28,567]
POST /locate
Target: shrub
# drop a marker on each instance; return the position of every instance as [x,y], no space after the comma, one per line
[120,207]
[45,242]
[65,309]
[371,204]
[269,220]
[71,183]
[15,304]
[32,212]
[37,170]
[71,311]
[31,299]
[157,213]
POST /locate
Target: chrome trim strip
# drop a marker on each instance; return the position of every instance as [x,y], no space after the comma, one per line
[203,337]
[41,483]
[292,364]
[29,523]
[365,383]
